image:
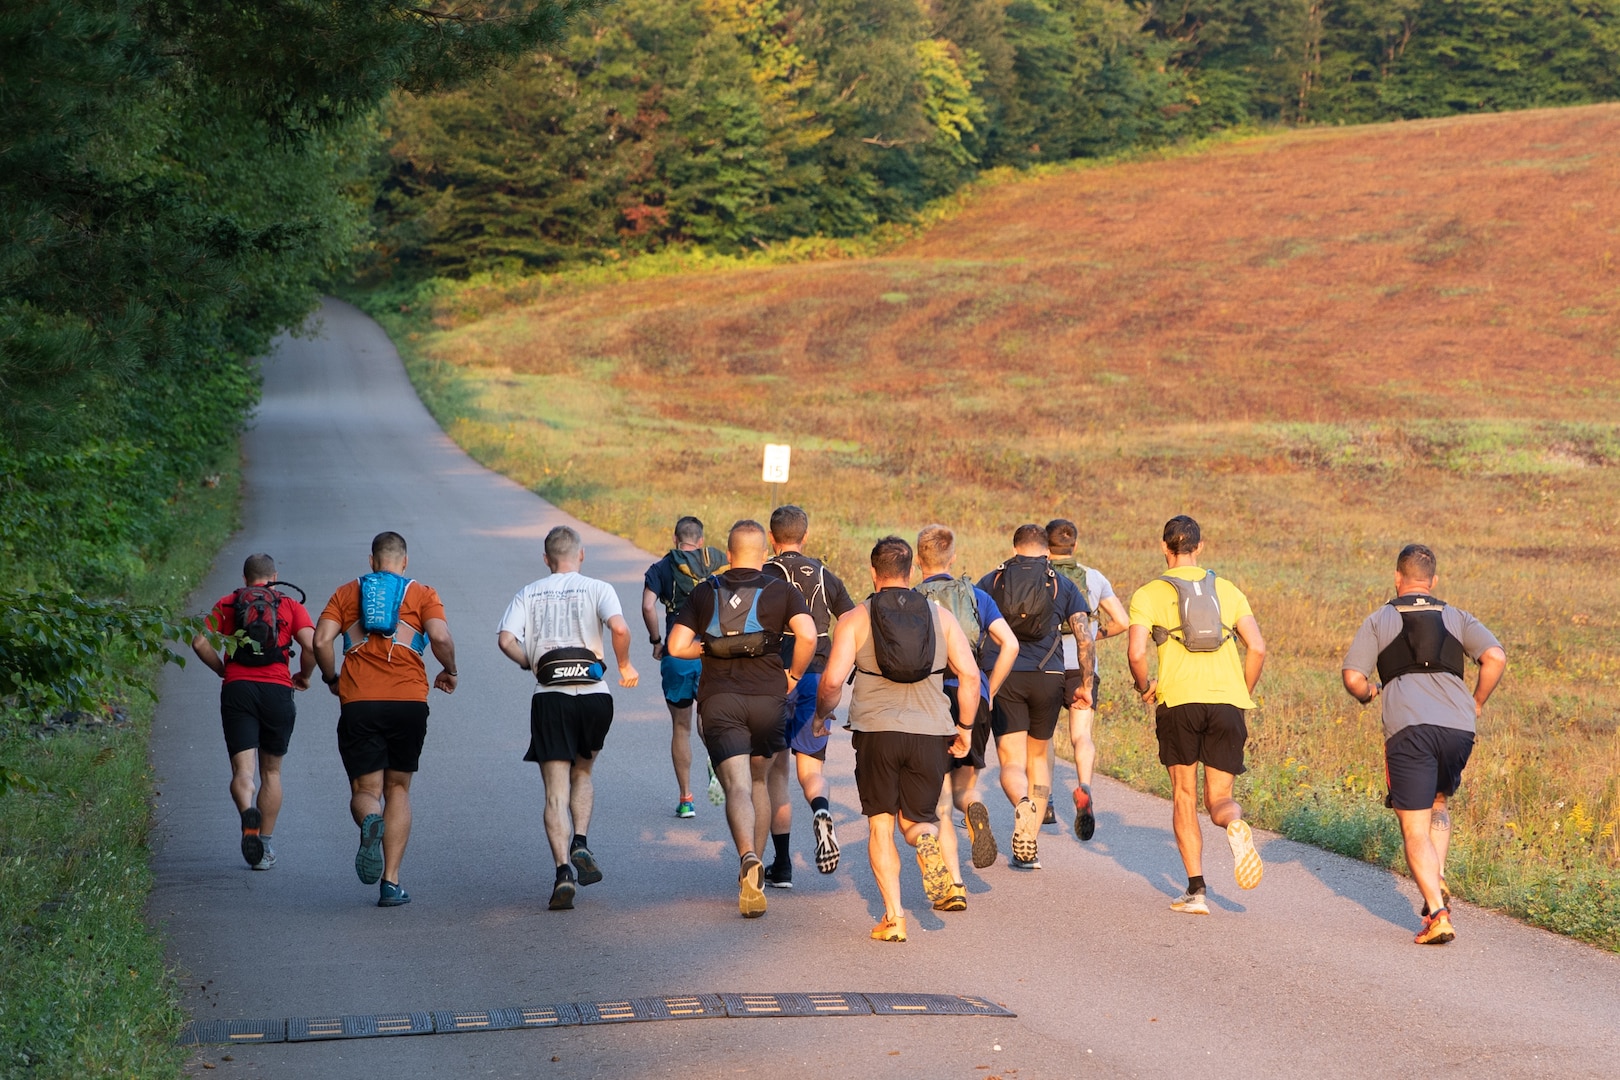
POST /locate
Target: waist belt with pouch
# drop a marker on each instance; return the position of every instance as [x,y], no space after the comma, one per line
[570,666]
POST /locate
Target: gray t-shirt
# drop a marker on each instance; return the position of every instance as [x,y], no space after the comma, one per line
[1442,699]
[1100,589]
[921,708]
[560,611]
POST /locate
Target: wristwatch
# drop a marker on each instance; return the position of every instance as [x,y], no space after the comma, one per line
[333,680]
[654,640]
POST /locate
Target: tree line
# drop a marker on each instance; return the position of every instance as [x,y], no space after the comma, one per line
[738,123]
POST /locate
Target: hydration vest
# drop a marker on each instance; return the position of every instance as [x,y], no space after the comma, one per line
[1070,567]
[1202,629]
[381,594]
[734,630]
[956,596]
[1424,644]
[902,636]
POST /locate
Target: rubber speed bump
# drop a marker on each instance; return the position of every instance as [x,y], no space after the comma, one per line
[620,1011]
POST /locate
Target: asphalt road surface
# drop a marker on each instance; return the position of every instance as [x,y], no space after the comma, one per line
[1311,974]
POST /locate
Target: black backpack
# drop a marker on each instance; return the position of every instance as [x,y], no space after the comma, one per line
[1026,593]
[257,610]
[734,631]
[809,576]
[902,635]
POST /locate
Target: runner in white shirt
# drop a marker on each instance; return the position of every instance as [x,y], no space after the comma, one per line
[553,627]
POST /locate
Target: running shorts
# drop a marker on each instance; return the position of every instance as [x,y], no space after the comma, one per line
[797,712]
[256,716]
[568,727]
[1423,761]
[680,679]
[977,741]
[1029,701]
[736,724]
[898,772]
[377,735]
[1199,732]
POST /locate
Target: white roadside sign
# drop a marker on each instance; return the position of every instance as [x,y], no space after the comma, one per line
[776,463]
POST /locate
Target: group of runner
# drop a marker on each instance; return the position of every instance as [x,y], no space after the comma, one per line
[755,645]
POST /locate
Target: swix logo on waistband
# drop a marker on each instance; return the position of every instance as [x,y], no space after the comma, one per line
[571,671]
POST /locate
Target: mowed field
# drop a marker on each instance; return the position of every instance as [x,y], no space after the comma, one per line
[1321,344]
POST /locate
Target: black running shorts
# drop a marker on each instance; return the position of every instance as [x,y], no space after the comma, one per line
[1029,701]
[978,740]
[568,727]
[736,724]
[897,772]
[1423,761]
[1198,732]
[377,735]
[256,716]
[1074,678]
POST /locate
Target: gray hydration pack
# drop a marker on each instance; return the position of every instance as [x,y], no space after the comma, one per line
[1201,629]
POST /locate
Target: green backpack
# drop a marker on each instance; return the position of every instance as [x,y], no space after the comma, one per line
[956,596]
[1070,567]
[691,567]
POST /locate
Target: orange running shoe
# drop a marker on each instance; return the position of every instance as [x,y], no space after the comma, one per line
[890,929]
[1436,929]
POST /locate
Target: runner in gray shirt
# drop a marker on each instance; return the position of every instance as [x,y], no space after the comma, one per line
[1417,645]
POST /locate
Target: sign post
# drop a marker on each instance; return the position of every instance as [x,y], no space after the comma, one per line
[776,465]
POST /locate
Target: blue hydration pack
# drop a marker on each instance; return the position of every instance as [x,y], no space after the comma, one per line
[735,631]
[381,594]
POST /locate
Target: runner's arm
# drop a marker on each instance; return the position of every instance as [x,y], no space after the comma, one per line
[306,656]
[683,644]
[326,632]
[1136,650]
[444,648]
[1358,686]
[1255,658]
[513,648]
[804,645]
[1007,642]
[1085,658]
[649,615]
[1492,665]
[628,676]
[959,658]
[1114,619]
[208,654]
[846,638]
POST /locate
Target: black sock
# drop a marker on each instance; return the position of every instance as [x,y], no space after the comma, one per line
[565,872]
[820,803]
[1195,884]
[579,842]
[780,840]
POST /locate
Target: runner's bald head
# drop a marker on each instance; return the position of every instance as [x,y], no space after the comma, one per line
[387,551]
[745,545]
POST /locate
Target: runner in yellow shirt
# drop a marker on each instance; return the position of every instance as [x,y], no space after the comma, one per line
[1204,685]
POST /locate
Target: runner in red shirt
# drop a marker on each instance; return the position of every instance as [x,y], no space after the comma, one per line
[256,699]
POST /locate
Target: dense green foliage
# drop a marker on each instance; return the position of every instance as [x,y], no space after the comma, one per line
[736,123]
[177,177]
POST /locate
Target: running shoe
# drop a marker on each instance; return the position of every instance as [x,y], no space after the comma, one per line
[1190,903]
[979,835]
[1085,818]
[1436,929]
[717,794]
[585,863]
[1246,865]
[252,846]
[935,874]
[779,875]
[1024,864]
[890,929]
[562,895]
[268,860]
[391,895]
[684,809]
[750,894]
[1050,817]
[826,842]
[1026,826]
[368,861]
[955,900]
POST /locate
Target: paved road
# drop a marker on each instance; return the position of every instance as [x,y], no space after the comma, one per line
[1312,973]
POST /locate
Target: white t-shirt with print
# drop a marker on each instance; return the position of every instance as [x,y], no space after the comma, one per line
[566,610]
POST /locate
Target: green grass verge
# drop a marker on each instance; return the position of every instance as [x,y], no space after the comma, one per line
[83,987]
